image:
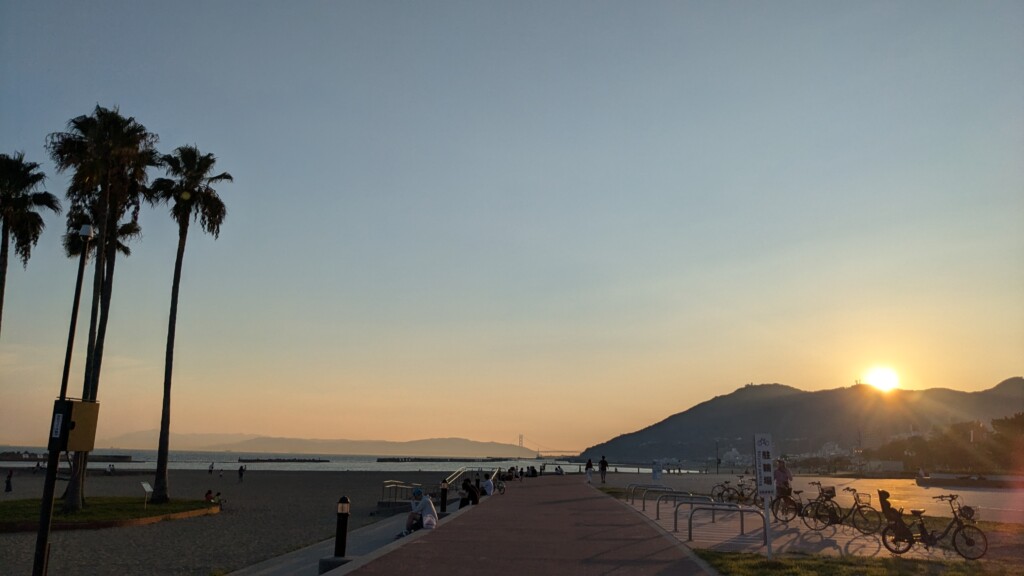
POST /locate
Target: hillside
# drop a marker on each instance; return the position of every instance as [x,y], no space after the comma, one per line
[441,447]
[802,421]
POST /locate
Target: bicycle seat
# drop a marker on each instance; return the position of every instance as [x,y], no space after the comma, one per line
[917,511]
[798,491]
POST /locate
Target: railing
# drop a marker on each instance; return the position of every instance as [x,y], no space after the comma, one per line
[632,488]
[686,497]
[743,510]
[666,490]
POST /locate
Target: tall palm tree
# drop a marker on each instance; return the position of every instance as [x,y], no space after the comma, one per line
[109,155]
[19,220]
[191,195]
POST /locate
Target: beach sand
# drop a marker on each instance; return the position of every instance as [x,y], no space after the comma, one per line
[269,514]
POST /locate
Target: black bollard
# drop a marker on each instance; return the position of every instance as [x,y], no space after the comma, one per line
[341,535]
[444,496]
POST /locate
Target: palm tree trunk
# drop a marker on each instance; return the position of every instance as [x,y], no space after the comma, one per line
[160,493]
[101,330]
[74,493]
[5,246]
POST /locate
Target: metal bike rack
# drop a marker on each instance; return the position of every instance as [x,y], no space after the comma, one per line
[686,497]
[646,491]
[741,509]
[632,488]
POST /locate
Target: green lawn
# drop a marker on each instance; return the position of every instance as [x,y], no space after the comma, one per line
[743,564]
[97,509]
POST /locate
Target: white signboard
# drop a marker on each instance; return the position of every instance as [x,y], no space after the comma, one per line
[763,457]
[58,423]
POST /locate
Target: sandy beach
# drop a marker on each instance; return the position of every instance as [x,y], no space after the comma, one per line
[269,514]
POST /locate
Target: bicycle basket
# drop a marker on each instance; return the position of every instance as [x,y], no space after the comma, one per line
[862,498]
[829,491]
[968,513]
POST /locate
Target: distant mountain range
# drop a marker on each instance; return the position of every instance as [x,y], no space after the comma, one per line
[440,447]
[802,422]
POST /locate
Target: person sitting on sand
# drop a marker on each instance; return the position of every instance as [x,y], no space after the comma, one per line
[423,514]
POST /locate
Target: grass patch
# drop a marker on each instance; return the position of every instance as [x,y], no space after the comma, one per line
[97,509]
[745,564]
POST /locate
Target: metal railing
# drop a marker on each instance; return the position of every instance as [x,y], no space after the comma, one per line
[632,488]
[743,510]
[686,497]
[669,491]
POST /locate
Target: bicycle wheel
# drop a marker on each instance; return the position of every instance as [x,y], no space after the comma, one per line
[717,491]
[970,542]
[731,495]
[816,515]
[758,500]
[893,543]
[501,487]
[784,509]
[866,519]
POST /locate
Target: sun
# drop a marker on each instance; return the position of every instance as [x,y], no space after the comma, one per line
[883,378]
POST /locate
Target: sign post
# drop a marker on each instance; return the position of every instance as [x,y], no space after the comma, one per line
[763,457]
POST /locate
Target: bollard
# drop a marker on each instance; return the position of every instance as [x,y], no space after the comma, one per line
[444,496]
[341,536]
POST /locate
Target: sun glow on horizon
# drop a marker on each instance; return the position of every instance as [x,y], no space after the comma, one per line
[882,378]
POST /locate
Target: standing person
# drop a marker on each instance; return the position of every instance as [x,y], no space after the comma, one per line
[487,485]
[211,468]
[241,473]
[422,515]
[783,479]
[589,469]
[8,484]
[602,466]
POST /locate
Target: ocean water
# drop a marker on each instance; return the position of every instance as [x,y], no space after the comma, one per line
[229,461]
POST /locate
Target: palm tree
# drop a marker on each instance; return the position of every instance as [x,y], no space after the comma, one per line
[190,193]
[109,155]
[19,220]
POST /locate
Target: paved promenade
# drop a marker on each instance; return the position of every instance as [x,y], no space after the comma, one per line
[554,525]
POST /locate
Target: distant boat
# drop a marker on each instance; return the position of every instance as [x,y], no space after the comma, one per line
[969,481]
[297,460]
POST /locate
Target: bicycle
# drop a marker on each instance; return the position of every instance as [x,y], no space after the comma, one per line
[787,506]
[861,515]
[818,513]
[744,492]
[968,540]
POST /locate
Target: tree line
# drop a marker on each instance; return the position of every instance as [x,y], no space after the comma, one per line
[109,158]
[961,447]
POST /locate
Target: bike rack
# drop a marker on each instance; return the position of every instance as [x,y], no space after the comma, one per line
[631,490]
[686,497]
[735,508]
[646,491]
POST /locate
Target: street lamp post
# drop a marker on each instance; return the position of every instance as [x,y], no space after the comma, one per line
[42,554]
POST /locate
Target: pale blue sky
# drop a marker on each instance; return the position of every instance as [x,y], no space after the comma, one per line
[582,216]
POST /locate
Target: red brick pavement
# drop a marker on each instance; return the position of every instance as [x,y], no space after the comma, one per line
[548,525]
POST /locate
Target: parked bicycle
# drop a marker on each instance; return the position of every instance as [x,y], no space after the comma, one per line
[787,506]
[898,537]
[827,512]
[743,492]
[824,511]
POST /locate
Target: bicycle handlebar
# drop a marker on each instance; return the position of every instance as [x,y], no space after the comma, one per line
[849,489]
[946,497]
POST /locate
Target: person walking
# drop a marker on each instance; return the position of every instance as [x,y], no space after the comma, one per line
[602,467]
[9,484]
[589,469]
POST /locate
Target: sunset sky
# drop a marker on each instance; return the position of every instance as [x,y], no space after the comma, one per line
[562,219]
